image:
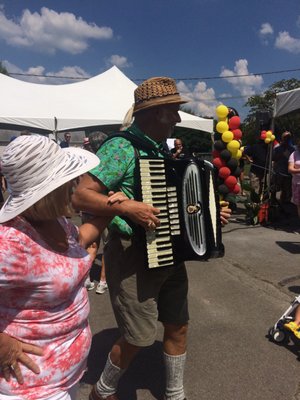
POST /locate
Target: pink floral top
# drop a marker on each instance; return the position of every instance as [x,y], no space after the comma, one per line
[43,302]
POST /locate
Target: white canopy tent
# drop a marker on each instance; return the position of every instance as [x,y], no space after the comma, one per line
[286,102]
[101,100]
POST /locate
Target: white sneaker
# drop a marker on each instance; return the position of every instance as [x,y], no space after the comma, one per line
[88,284]
[101,287]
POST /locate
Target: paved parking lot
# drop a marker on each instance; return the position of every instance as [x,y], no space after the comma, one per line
[233,302]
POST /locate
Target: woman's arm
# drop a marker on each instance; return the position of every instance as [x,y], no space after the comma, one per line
[90,231]
[13,352]
[292,169]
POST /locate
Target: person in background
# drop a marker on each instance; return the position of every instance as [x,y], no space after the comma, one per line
[179,152]
[86,144]
[294,169]
[139,296]
[282,177]
[66,142]
[44,333]
[94,142]
[256,154]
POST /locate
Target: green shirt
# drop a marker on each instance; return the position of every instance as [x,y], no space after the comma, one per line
[116,169]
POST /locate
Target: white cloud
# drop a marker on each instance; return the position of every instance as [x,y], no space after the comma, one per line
[265,32]
[49,31]
[266,29]
[118,61]
[245,85]
[50,78]
[202,100]
[286,42]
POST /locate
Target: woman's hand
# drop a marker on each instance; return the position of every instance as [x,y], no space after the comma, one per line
[225,212]
[116,197]
[13,352]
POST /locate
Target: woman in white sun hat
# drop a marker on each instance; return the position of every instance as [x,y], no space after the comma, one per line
[44,332]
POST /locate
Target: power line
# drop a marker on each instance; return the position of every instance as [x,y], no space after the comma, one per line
[239,76]
[177,79]
[49,76]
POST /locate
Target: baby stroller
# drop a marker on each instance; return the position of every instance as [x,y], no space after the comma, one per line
[279,333]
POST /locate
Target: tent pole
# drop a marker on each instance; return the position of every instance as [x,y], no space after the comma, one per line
[55,129]
[269,164]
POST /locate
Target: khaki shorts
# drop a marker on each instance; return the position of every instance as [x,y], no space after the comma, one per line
[140,296]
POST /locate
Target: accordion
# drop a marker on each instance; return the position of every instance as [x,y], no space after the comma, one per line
[184,192]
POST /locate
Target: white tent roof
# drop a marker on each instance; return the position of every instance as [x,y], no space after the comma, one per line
[101,100]
[287,102]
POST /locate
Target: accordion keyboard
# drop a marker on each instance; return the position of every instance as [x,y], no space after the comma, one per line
[155,192]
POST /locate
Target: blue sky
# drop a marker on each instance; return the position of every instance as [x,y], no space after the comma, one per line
[182,39]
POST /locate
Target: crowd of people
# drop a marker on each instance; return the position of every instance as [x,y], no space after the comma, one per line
[45,259]
[284,169]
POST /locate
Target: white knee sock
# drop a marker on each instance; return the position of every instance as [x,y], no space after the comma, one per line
[109,379]
[174,376]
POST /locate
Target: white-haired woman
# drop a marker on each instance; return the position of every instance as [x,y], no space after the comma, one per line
[44,332]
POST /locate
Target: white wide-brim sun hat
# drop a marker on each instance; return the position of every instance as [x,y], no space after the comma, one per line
[34,166]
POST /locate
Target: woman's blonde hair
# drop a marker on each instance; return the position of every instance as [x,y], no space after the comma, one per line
[52,206]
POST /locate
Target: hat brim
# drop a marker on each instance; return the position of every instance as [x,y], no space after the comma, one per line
[77,162]
[159,101]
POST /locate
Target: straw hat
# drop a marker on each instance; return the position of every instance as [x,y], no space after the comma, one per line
[34,166]
[155,92]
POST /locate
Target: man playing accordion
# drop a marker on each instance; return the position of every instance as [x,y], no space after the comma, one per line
[139,296]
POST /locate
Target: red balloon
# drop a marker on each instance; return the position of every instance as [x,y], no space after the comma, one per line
[230,181]
[263,135]
[224,172]
[218,162]
[234,122]
[237,134]
[236,189]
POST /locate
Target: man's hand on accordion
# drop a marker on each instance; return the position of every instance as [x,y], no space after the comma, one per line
[142,214]
[225,212]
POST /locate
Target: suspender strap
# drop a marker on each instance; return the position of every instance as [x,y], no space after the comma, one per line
[138,143]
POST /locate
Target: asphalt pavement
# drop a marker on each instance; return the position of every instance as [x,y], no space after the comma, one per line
[233,303]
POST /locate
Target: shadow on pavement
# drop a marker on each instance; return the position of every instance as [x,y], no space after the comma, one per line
[290,246]
[145,372]
[294,289]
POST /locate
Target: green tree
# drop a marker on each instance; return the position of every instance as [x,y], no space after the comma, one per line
[265,102]
[3,70]
[194,140]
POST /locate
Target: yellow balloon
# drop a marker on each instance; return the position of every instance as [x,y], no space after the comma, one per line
[269,134]
[272,138]
[267,140]
[237,155]
[227,136]
[233,146]
[222,111]
[222,126]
